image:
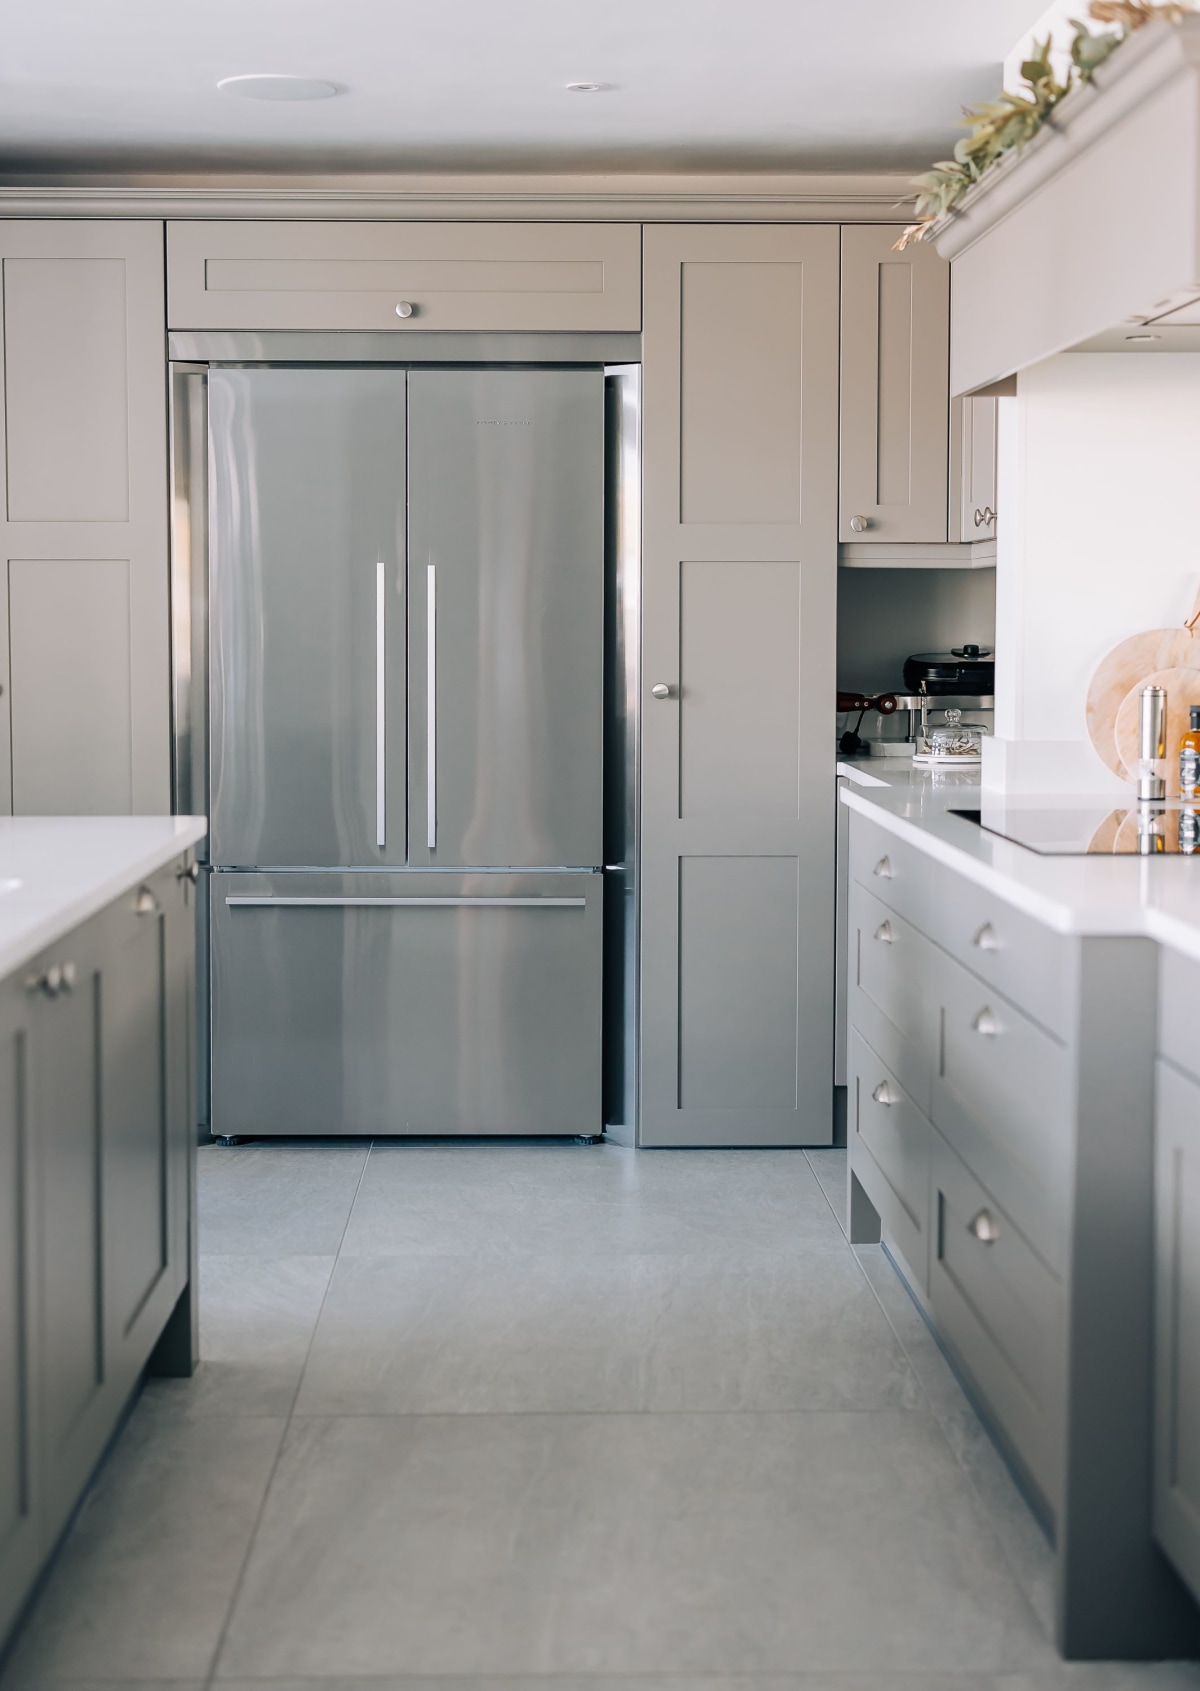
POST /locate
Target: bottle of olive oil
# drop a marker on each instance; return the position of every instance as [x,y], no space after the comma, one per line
[1189,758]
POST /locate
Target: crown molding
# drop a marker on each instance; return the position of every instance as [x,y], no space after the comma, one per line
[751,197]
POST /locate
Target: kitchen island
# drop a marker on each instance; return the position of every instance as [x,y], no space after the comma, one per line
[1024,1132]
[97,1145]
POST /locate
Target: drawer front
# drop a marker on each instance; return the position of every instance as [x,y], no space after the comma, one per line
[891,869]
[485,276]
[1177,1341]
[890,1144]
[894,991]
[1030,964]
[1179,1009]
[1001,1311]
[1002,1095]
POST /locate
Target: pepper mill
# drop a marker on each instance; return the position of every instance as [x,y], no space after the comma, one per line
[1152,745]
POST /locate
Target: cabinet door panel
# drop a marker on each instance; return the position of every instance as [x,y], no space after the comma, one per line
[83,518]
[895,388]
[1177,1360]
[19,1518]
[79,1401]
[276,275]
[71,695]
[739,570]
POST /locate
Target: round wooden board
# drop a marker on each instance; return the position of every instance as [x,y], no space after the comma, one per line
[1127,668]
[1182,687]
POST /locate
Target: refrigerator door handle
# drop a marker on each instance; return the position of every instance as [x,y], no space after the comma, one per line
[431,708]
[380,703]
[272,901]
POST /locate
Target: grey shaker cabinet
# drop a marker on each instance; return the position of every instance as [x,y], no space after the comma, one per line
[895,387]
[1177,1353]
[973,469]
[84,712]
[738,590]
[96,1145]
[489,276]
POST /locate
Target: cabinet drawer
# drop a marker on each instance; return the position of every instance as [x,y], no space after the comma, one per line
[1013,954]
[1001,1312]
[894,993]
[1179,1009]
[890,1142]
[1002,1095]
[1177,1344]
[354,275]
[892,870]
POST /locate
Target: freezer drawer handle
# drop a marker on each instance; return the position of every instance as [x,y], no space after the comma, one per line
[431,709]
[247,902]
[380,704]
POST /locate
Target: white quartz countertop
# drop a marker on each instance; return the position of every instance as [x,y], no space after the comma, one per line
[1157,898]
[56,871]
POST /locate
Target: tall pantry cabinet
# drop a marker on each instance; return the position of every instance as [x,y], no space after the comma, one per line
[739,550]
[84,660]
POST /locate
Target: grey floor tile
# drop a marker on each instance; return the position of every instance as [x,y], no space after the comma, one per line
[273,1200]
[143,1584]
[257,1317]
[829,1166]
[413,1335]
[576,1200]
[628,1544]
[1155,1676]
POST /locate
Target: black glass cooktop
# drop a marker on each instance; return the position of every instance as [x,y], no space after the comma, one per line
[1131,830]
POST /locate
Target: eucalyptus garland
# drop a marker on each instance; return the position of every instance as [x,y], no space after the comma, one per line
[998,127]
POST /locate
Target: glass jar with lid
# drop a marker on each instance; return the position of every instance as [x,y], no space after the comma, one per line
[951,742]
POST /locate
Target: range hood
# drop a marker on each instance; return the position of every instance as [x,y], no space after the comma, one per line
[1088,239]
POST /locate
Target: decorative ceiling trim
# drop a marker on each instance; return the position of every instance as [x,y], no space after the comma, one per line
[758,198]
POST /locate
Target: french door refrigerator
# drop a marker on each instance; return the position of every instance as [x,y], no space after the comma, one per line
[405,742]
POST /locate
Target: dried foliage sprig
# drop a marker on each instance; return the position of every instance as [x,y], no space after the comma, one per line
[1000,126]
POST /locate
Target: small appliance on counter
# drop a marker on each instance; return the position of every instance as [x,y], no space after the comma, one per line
[967,669]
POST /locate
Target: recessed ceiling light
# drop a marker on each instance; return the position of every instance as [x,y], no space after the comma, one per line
[278,87]
[590,87]
[1143,337]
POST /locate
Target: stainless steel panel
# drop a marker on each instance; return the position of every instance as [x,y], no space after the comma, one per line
[622,587]
[306,500]
[506,477]
[413,1004]
[293,346]
[189,593]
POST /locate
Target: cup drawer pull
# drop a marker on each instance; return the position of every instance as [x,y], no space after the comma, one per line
[884,869]
[886,1094]
[884,934]
[986,1024]
[983,1227]
[985,939]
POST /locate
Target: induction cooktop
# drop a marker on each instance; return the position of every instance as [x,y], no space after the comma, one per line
[1171,829]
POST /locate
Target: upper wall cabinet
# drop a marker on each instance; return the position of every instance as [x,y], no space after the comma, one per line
[406,277]
[84,709]
[895,389]
[973,470]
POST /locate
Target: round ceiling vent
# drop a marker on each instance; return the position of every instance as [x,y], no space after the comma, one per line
[278,87]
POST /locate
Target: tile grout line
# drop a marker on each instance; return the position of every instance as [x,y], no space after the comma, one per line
[821,1188]
[209,1680]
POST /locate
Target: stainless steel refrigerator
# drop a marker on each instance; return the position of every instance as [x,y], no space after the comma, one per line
[405,745]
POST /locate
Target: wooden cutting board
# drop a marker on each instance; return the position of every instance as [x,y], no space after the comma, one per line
[1128,668]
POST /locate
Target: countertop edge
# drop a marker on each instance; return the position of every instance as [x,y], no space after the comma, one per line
[1137,921]
[54,926]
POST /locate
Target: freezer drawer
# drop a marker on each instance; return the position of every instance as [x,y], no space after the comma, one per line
[406,1003]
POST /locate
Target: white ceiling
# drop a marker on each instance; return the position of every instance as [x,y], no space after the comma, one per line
[477,85]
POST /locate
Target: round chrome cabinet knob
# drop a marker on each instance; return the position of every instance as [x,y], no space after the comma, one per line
[860,525]
[404,309]
[660,690]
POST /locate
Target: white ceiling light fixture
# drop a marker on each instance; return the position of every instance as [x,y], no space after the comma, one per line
[278,87]
[590,87]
